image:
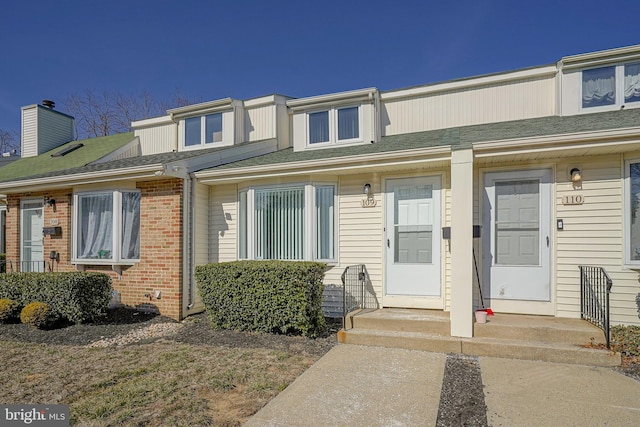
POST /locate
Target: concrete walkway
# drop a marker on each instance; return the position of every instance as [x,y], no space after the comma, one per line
[375,386]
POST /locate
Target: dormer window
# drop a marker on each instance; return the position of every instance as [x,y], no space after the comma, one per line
[334,125]
[203,130]
[614,85]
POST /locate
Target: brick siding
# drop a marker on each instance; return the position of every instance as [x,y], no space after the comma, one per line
[160,266]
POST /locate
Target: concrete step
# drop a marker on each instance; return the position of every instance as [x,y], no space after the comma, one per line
[514,349]
[404,320]
[538,329]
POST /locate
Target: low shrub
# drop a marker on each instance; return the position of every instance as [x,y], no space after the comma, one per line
[77,296]
[8,310]
[267,296]
[38,314]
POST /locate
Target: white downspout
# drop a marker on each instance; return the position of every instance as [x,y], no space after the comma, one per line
[187,239]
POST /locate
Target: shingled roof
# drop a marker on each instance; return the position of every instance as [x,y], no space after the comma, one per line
[459,137]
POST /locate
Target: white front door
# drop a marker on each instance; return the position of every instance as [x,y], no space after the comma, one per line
[413,243]
[32,240]
[517,241]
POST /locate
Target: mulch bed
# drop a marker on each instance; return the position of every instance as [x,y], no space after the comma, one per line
[196,330]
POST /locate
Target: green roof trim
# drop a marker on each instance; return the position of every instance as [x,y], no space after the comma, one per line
[44,164]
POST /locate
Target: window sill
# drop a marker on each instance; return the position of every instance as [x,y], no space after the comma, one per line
[99,261]
[635,267]
[331,144]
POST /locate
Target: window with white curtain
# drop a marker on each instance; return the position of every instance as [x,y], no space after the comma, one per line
[334,125]
[107,227]
[287,223]
[614,85]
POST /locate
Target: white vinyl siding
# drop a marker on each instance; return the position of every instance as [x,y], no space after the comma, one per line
[223,222]
[260,123]
[43,130]
[593,235]
[360,230]
[157,139]
[201,240]
[522,99]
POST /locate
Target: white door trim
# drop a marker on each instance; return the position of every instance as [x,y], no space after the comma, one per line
[414,301]
[23,202]
[537,305]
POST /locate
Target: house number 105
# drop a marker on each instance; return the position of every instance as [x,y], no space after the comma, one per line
[573,199]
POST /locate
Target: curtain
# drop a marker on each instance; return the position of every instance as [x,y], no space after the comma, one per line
[96,226]
[324,222]
[348,126]
[130,225]
[598,87]
[279,223]
[632,82]
[319,127]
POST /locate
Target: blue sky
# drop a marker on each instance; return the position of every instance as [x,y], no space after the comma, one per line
[241,49]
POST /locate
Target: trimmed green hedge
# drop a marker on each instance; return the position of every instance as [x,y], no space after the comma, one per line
[267,296]
[77,297]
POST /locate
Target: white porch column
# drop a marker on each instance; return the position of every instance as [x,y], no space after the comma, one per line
[462,243]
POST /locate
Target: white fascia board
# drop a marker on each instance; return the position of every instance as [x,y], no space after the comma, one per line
[507,77]
[266,100]
[116,153]
[181,168]
[338,97]
[603,57]
[51,182]
[557,142]
[330,164]
[155,121]
[203,108]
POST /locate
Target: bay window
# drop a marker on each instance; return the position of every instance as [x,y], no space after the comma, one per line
[107,227]
[287,223]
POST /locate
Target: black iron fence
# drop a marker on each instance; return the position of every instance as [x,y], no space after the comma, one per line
[357,289]
[11,266]
[595,287]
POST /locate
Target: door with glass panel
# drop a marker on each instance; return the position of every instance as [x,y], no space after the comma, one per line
[517,241]
[412,243]
[31,238]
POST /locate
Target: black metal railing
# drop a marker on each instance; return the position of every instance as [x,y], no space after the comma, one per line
[357,289]
[11,266]
[595,287]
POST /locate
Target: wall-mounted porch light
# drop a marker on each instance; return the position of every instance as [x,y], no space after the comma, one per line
[368,201]
[50,202]
[576,175]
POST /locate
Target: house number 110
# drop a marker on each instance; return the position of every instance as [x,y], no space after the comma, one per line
[573,199]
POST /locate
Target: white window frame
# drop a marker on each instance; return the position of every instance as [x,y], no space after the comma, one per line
[203,129]
[310,220]
[116,229]
[333,127]
[627,214]
[619,85]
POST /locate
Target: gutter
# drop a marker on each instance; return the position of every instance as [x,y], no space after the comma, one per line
[332,164]
[146,171]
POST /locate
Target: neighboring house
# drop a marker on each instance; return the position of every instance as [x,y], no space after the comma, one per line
[545,160]
[5,159]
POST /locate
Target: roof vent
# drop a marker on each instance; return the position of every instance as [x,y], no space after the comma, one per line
[48,103]
[67,150]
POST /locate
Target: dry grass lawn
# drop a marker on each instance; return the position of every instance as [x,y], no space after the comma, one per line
[153,384]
